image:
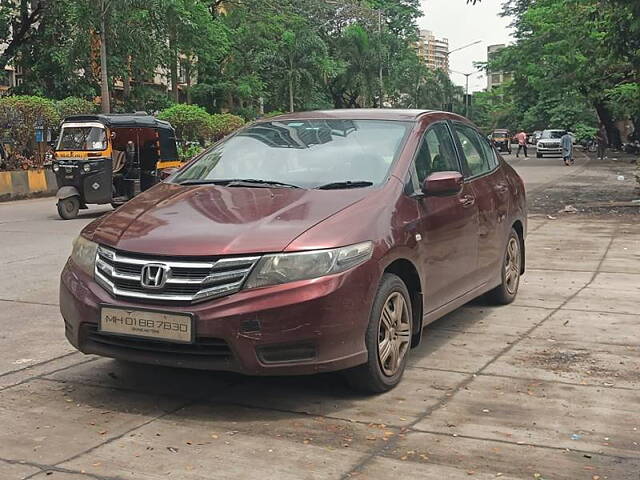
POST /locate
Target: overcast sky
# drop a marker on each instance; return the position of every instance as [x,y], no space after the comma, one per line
[463,24]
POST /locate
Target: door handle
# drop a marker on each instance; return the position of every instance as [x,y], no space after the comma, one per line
[501,187]
[468,201]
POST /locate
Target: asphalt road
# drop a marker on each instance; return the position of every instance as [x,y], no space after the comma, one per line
[546,388]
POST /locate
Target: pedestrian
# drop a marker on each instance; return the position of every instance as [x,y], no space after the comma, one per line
[601,140]
[567,148]
[522,143]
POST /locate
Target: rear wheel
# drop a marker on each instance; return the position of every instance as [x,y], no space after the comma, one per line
[388,338]
[511,269]
[68,207]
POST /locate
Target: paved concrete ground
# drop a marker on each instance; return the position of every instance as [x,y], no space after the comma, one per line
[546,388]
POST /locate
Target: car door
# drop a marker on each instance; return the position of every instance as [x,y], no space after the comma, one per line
[448,225]
[487,182]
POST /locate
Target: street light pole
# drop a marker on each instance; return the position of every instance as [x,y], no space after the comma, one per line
[466,95]
[448,66]
[381,100]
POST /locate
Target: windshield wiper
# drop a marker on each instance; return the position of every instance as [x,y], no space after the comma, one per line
[239,182]
[345,185]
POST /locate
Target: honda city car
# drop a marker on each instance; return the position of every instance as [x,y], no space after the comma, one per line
[304,243]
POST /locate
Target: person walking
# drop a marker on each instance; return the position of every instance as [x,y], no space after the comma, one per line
[567,148]
[522,143]
[601,140]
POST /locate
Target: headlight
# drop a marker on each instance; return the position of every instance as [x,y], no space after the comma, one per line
[540,145]
[84,254]
[86,167]
[289,267]
[56,167]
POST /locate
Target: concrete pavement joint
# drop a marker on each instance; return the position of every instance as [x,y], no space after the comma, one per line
[127,432]
[44,362]
[523,444]
[44,468]
[13,300]
[42,376]
[464,383]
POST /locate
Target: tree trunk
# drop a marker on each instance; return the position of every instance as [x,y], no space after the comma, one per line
[290,92]
[188,79]
[126,80]
[173,49]
[104,77]
[607,120]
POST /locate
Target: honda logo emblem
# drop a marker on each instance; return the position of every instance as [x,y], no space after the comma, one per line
[154,275]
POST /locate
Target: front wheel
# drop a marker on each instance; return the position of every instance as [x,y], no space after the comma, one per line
[68,208]
[388,338]
[511,270]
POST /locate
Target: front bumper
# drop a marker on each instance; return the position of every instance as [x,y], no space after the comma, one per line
[552,150]
[299,328]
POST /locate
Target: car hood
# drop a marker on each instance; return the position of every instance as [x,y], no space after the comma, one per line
[211,220]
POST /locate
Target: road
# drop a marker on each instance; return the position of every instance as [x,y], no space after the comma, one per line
[546,388]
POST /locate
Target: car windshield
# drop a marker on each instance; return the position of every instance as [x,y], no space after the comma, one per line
[302,153]
[82,138]
[500,134]
[553,134]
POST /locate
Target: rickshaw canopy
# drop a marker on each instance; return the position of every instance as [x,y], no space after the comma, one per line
[166,133]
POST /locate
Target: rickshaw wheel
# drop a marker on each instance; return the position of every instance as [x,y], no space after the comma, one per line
[68,207]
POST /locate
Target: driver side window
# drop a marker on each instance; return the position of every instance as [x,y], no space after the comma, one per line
[437,153]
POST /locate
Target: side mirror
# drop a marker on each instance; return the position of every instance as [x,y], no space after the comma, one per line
[167,172]
[442,184]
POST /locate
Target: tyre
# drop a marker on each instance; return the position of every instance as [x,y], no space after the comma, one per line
[538,155]
[68,207]
[506,292]
[388,338]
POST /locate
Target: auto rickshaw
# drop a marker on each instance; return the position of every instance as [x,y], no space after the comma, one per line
[109,159]
[501,139]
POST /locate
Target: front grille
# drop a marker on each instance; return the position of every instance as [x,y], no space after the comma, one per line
[203,346]
[187,279]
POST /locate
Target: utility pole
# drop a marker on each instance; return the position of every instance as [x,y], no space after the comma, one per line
[104,77]
[466,95]
[381,100]
[457,50]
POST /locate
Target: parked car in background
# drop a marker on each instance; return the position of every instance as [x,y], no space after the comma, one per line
[501,139]
[305,243]
[549,143]
[534,137]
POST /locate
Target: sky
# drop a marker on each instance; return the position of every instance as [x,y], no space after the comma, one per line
[463,24]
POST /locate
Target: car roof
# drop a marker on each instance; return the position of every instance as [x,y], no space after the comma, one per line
[354,114]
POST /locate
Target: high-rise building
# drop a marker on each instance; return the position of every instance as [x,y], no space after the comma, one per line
[496,78]
[433,51]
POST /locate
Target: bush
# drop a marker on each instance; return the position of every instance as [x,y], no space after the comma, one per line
[187,151]
[584,132]
[223,124]
[75,106]
[192,123]
[19,116]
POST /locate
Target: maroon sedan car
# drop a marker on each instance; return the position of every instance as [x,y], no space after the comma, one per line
[304,243]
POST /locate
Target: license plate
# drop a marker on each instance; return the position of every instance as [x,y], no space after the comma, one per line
[171,327]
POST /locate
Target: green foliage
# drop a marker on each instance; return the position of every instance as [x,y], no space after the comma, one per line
[19,116]
[192,123]
[187,151]
[75,106]
[575,63]
[223,124]
[584,132]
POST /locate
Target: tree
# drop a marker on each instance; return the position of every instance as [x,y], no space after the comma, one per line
[17,23]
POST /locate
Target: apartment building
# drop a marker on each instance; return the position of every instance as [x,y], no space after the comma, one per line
[496,78]
[433,51]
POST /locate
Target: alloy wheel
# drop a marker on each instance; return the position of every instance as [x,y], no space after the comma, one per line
[394,334]
[512,266]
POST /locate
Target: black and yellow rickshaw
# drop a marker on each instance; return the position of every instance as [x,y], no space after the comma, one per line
[109,159]
[501,139]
